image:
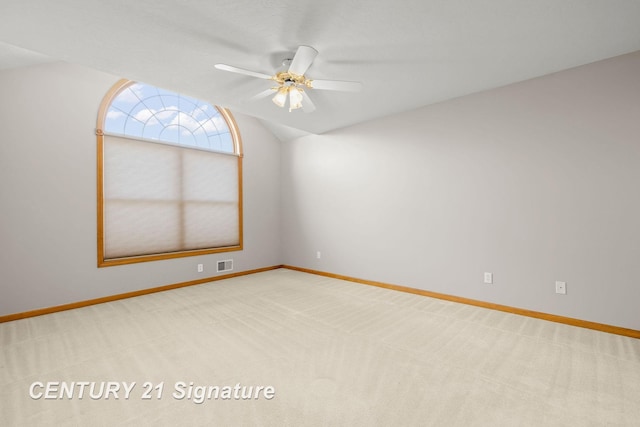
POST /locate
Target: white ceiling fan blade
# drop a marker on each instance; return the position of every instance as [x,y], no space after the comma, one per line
[307,105]
[225,67]
[336,85]
[302,60]
[264,94]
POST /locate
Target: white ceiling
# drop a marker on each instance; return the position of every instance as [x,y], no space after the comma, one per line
[407,53]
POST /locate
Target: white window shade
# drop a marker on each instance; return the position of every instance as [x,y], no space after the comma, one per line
[160,198]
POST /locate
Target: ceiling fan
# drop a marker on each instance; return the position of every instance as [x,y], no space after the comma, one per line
[292,83]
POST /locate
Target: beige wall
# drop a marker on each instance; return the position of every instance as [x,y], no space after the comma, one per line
[48,195]
[534,182]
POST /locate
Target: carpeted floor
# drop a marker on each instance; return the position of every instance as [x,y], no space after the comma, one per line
[335,353]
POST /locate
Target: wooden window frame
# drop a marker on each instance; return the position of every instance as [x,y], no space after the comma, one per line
[102,262]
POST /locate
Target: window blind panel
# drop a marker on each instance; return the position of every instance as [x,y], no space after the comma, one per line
[211,225]
[160,198]
[210,176]
[141,227]
[141,170]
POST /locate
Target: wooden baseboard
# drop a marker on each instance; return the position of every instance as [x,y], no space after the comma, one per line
[514,310]
[523,312]
[70,306]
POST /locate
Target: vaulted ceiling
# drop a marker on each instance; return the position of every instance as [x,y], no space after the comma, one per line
[407,53]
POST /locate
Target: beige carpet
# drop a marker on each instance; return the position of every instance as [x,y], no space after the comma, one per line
[336,353]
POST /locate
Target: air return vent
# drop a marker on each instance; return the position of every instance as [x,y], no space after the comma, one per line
[226,265]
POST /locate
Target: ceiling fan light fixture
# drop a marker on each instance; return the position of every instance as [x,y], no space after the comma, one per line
[295,99]
[280,98]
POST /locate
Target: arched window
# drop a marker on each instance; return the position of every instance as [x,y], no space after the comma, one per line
[169,176]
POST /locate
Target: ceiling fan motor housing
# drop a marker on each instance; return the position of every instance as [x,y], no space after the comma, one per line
[290,79]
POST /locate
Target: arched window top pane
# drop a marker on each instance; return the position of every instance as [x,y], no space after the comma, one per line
[143,111]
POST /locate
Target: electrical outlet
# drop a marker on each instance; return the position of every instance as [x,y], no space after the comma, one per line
[318,255]
[561,288]
[200,268]
[488,278]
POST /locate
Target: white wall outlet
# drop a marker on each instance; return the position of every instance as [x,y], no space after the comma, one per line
[561,287]
[488,278]
[200,268]
[318,255]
